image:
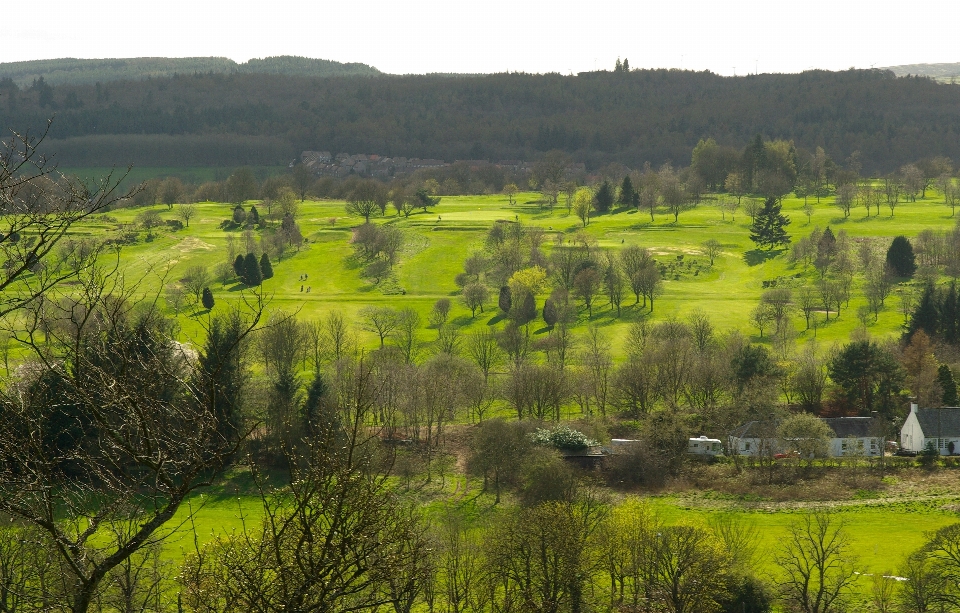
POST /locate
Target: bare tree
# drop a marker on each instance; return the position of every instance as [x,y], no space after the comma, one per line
[137,427]
[485,351]
[818,564]
[40,206]
[382,321]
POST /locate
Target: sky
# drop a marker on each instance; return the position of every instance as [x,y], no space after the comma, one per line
[497,35]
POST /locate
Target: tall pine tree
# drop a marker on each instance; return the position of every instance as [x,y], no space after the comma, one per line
[626,192]
[252,275]
[265,267]
[769,226]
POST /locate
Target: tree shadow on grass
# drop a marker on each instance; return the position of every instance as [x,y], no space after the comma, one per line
[496,319]
[462,320]
[759,256]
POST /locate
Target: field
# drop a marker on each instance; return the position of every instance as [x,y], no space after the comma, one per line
[436,244]
[884,526]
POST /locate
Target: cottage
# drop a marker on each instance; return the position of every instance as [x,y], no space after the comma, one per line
[754,438]
[854,436]
[938,427]
[851,436]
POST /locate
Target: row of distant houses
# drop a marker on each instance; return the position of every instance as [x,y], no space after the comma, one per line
[862,436]
[324,163]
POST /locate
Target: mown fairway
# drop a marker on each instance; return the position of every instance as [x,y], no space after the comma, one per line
[436,244]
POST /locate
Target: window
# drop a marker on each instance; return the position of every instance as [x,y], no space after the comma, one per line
[746,446]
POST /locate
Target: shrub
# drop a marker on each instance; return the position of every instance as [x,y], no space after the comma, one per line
[561,437]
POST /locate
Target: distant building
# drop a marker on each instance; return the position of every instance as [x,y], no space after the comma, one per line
[851,436]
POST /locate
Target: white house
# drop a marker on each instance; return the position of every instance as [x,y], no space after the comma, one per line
[854,436]
[941,427]
[851,435]
[754,438]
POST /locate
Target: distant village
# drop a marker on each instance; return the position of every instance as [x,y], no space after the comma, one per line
[323,163]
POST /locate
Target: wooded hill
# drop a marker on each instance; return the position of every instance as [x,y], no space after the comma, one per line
[89,71]
[600,117]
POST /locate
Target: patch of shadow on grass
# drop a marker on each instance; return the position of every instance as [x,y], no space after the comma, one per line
[543,330]
[237,287]
[839,220]
[462,320]
[496,319]
[759,256]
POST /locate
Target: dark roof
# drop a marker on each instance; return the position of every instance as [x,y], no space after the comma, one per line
[754,429]
[842,427]
[857,427]
[939,422]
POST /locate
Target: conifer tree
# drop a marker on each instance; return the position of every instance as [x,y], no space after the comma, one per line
[252,275]
[207,298]
[266,269]
[948,385]
[769,226]
[626,192]
[238,266]
[254,216]
[926,316]
[900,257]
[604,197]
[505,301]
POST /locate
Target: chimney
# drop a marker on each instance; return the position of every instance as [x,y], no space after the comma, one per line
[913,407]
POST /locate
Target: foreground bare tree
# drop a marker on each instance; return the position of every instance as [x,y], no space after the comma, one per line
[38,206]
[108,427]
[818,564]
[335,539]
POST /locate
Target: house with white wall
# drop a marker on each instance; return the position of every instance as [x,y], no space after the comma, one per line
[939,427]
[854,436]
[851,436]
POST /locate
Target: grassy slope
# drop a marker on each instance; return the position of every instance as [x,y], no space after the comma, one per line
[439,241]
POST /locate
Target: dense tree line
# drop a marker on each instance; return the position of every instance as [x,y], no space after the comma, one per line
[627,117]
[102,71]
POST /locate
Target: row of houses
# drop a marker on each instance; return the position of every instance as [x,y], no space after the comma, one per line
[862,436]
[323,163]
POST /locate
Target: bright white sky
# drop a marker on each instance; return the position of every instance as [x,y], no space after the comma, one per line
[404,36]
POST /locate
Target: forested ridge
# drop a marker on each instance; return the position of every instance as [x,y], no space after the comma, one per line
[90,71]
[601,117]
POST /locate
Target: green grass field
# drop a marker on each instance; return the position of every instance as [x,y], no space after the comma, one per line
[439,241]
[437,244]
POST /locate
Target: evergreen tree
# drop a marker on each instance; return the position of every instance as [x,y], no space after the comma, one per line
[949,315]
[207,298]
[319,414]
[526,309]
[769,226]
[266,269]
[221,368]
[550,312]
[926,316]
[238,266]
[948,385]
[505,301]
[626,192]
[239,215]
[254,216]
[900,257]
[604,197]
[252,275]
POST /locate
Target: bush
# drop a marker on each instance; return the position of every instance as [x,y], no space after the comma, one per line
[561,437]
